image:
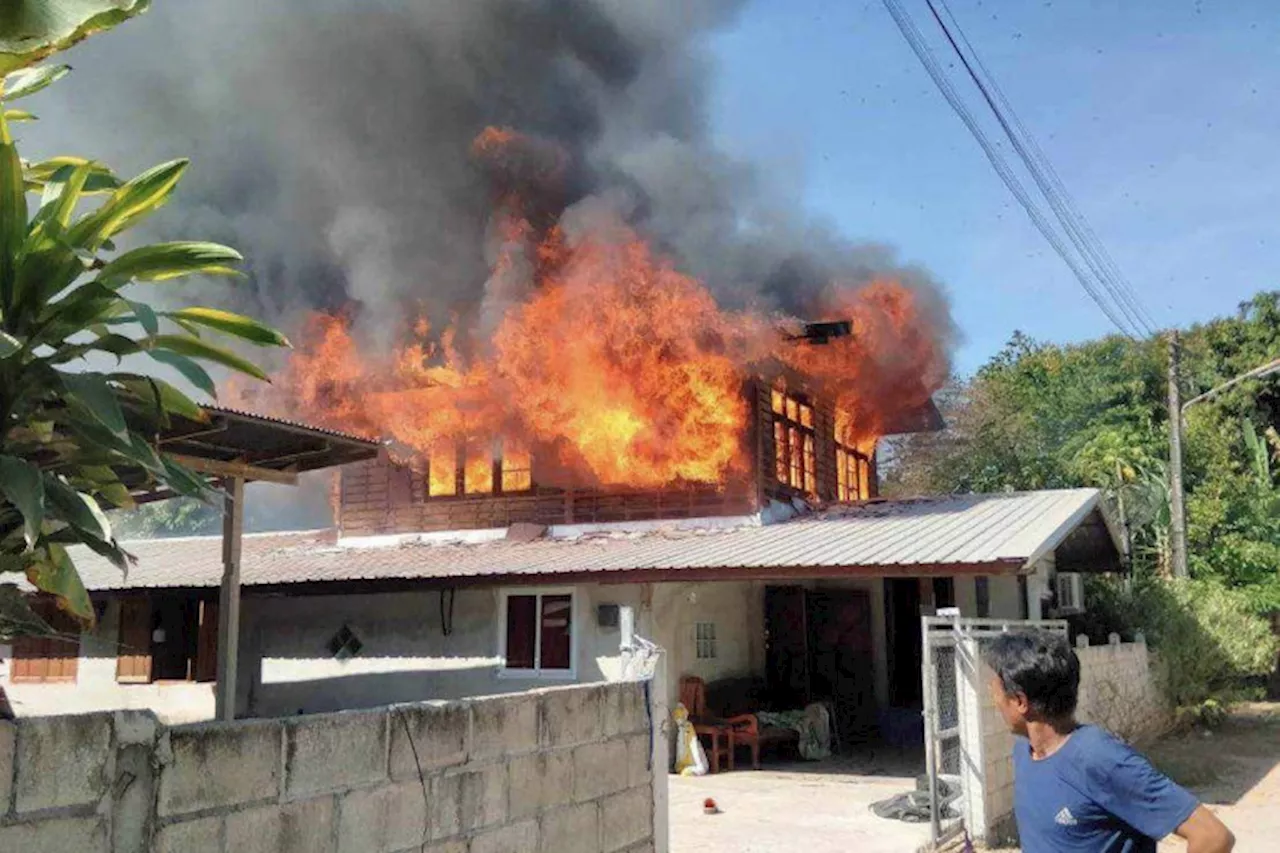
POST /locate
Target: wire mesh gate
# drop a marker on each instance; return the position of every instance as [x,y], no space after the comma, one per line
[951,645]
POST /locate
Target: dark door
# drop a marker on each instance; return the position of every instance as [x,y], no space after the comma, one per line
[786,646]
[843,659]
[903,624]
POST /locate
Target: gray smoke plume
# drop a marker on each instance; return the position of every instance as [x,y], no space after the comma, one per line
[331,143]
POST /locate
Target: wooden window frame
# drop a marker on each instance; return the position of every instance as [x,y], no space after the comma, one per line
[575,626]
[791,428]
[34,652]
[498,480]
[853,474]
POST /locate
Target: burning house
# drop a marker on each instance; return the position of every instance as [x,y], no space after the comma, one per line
[610,370]
[787,578]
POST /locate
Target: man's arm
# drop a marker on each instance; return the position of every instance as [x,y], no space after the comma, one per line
[1205,833]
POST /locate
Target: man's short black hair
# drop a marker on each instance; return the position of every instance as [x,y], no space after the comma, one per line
[1041,666]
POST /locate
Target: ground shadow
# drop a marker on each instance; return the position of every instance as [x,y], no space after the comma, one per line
[1222,766]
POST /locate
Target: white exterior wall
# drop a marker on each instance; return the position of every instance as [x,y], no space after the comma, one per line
[1038,584]
[406,655]
[286,666]
[735,608]
[96,689]
[1005,599]
[966,596]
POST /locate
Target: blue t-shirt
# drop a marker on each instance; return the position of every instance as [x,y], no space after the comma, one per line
[1094,795]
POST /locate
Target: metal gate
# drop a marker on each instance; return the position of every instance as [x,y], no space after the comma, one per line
[946,676]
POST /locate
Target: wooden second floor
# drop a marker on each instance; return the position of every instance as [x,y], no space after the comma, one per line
[789,450]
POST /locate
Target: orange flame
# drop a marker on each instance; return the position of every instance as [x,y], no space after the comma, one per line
[606,362]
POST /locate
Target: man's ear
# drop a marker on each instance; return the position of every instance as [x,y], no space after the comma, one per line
[1021,702]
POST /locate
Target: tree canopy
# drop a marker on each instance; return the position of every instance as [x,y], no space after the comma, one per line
[1041,415]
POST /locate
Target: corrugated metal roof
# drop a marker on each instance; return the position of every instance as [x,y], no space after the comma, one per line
[976,533]
[244,413]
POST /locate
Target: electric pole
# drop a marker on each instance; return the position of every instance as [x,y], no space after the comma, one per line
[1177,510]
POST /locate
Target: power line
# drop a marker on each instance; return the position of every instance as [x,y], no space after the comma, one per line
[1046,177]
[922,51]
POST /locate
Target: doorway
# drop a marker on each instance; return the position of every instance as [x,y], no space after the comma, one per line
[902,617]
[843,660]
[819,649]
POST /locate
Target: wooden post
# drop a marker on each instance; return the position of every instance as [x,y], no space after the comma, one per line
[229,601]
[1126,534]
[1177,513]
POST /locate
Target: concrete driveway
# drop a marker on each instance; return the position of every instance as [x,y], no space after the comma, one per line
[809,808]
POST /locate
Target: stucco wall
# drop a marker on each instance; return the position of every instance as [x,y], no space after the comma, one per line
[736,610]
[1118,690]
[565,770]
[286,666]
[1005,599]
[406,654]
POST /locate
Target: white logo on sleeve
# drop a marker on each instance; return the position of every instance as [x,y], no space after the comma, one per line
[1065,817]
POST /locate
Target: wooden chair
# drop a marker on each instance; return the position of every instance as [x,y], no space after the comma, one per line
[744,729]
[722,732]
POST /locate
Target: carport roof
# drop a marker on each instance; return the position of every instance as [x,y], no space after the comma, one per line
[958,534]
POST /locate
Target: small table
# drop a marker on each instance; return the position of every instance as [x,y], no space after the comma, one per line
[721,743]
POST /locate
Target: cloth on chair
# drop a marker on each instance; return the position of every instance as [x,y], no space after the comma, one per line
[813,724]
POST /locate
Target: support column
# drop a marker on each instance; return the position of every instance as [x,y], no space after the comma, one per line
[1177,512]
[229,600]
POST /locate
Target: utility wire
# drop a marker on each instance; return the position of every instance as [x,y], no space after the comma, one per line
[922,51]
[1042,171]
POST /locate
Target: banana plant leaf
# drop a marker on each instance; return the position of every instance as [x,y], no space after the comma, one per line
[31,30]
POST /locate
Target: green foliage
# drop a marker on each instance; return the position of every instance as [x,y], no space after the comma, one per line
[75,439]
[174,517]
[1095,414]
[31,30]
[1208,636]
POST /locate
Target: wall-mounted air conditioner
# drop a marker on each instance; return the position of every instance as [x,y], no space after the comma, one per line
[1070,593]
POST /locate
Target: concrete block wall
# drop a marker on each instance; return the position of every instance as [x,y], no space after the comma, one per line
[986,747]
[1118,690]
[564,770]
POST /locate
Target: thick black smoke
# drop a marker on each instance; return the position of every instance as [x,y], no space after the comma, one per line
[331,143]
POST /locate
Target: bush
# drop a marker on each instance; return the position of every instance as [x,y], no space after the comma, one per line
[1208,638]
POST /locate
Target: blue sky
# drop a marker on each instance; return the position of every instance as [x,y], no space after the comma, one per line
[1162,118]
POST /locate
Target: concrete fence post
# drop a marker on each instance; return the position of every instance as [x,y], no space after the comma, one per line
[659,725]
[973,779]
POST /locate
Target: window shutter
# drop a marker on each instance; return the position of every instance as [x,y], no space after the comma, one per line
[133,666]
[64,651]
[29,661]
[207,642]
[54,658]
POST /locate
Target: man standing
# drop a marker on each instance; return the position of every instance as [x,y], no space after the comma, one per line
[1076,788]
